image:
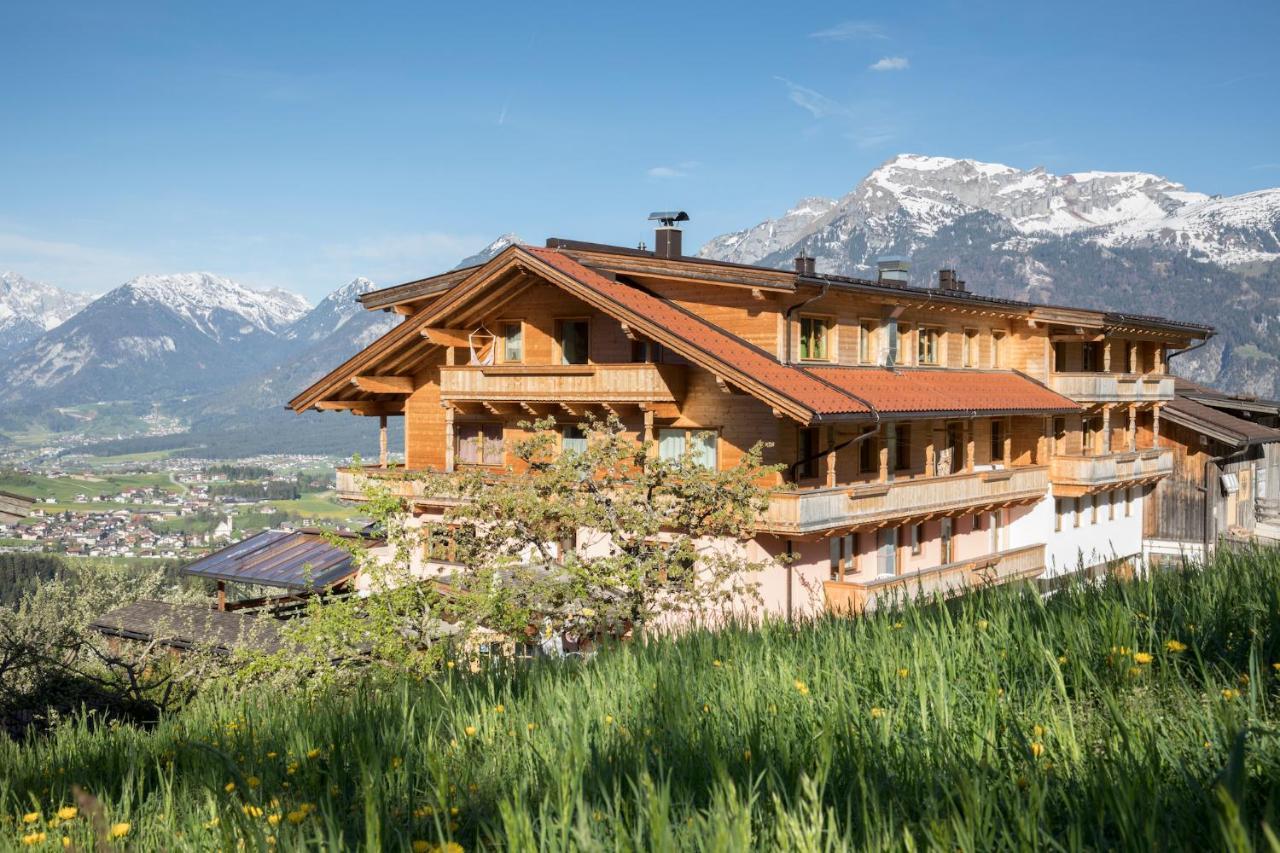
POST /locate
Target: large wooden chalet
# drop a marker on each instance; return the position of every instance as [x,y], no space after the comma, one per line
[931,437]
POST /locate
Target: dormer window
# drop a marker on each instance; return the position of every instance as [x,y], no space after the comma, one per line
[814,334]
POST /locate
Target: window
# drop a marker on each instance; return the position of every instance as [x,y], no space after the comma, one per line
[917,539]
[439,544]
[646,352]
[478,443]
[887,551]
[1060,356]
[700,444]
[997,345]
[945,542]
[573,438]
[969,348]
[1089,357]
[574,339]
[810,444]
[976,526]
[1089,426]
[843,559]
[868,457]
[927,346]
[813,338]
[512,341]
[866,341]
[901,447]
[997,441]
[892,343]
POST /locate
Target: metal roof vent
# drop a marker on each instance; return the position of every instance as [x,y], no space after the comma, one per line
[667,237]
[893,269]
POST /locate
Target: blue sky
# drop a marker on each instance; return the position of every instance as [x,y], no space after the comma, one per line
[299,145]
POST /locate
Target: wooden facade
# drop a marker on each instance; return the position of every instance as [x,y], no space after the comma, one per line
[838,376]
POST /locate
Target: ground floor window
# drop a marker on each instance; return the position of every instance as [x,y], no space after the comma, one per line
[700,444]
[478,443]
[917,539]
[843,559]
[887,551]
[573,438]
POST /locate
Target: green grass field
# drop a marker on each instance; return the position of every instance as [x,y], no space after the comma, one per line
[1130,716]
[65,489]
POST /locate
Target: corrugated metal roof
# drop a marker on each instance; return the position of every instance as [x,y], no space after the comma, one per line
[1218,424]
[292,559]
[944,390]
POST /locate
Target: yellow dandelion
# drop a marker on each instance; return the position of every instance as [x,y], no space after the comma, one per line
[34,838]
[903,672]
[396,761]
[470,731]
[706,709]
[119,830]
[982,624]
[716,663]
[802,687]
[313,753]
[1062,659]
[271,841]
[1276,666]
[608,719]
[532,726]
[273,755]
[746,755]
[66,841]
[211,824]
[1037,749]
[451,664]
[296,816]
[252,810]
[499,709]
[423,811]
[1142,657]
[1243,678]
[67,812]
[877,713]
[1037,731]
[253,781]
[1229,694]
[420,846]
[1174,646]
[31,817]
[1133,670]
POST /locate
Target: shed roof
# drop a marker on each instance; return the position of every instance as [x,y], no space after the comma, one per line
[1217,424]
[187,626]
[292,559]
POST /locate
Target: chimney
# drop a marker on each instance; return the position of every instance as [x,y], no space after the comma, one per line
[667,237]
[893,270]
[947,281]
[805,265]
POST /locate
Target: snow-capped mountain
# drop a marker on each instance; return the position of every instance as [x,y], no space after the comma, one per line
[337,311]
[1128,241]
[28,309]
[490,250]
[155,335]
[909,199]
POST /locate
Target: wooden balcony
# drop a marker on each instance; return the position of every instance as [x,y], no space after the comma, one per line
[1074,476]
[1113,387]
[555,383]
[808,511]
[401,482]
[853,597]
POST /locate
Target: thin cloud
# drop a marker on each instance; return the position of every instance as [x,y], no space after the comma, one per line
[891,63]
[851,31]
[816,103]
[680,170]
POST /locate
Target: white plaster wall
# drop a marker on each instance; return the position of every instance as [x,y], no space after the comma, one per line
[1073,548]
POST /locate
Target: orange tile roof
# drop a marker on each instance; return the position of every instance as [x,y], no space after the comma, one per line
[791,382]
[918,390]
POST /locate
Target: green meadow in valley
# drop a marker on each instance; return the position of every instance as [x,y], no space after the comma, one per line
[1127,715]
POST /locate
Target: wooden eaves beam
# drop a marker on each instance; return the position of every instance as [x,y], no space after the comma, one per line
[384,384]
[447,337]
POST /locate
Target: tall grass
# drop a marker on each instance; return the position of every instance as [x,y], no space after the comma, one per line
[996,721]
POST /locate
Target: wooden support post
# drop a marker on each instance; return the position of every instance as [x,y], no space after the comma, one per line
[831,457]
[1133,356]
[382,441]
[931,450]
[1106,429]
[969,447]
[222,595]
[1007,450]
[448,438]
[648,431]
[1155,426]
[1106,356]
[884,459]
[1133,428]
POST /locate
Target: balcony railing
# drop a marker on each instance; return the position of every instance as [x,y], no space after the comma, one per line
[802,511]
[1113,387]
[1080,475]
[400,482]
[948,579]
[585,383]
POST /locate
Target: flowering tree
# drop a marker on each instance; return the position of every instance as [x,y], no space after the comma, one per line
[608,539]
